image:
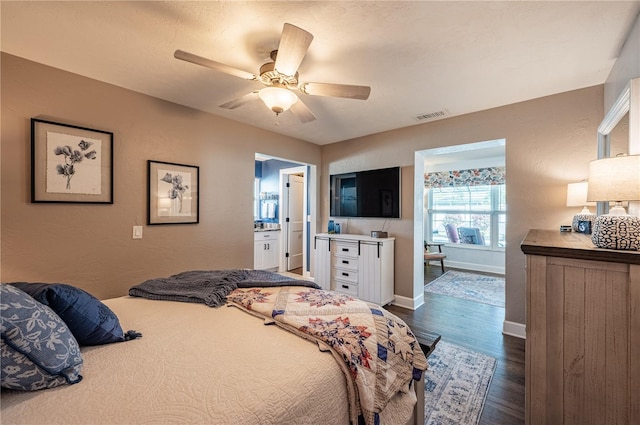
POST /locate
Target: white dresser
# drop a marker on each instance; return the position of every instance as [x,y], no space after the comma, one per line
[357,265]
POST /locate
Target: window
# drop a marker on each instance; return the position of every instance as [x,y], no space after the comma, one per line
[469,207]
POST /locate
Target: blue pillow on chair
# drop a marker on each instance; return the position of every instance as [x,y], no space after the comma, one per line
[471,235]
[90,320]
[38,350]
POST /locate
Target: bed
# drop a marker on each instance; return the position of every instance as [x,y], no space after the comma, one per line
[197,364]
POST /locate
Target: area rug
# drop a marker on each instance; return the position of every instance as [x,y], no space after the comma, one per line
[456,384]
[469,286]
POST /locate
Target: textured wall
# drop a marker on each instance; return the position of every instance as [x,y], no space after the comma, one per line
[91,245]
[549,143]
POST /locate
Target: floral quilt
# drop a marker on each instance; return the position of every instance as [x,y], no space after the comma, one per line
[377,351]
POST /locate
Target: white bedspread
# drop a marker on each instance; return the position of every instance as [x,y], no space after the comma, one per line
[196,364]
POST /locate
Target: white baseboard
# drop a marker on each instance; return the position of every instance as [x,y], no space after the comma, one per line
[518,330]
[409,303]
[473,267]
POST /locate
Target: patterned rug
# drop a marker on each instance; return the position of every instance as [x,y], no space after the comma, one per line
[469,286]
[456,385]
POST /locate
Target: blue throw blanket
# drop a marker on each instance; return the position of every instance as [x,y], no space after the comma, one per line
[210,287]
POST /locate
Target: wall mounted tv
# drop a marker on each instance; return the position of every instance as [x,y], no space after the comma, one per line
[371,193]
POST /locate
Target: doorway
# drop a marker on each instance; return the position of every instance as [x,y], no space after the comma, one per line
[448,202]
[293,212]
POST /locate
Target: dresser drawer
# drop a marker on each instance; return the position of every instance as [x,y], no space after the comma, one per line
[345,275]
[266,236]
[346,250]
[346,263]
[346,287]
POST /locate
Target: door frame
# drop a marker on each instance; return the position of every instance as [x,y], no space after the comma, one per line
[420,212]
[310,211]
[305,214]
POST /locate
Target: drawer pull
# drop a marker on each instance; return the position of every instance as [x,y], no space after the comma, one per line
[345,274]
[345,286]
[345,262]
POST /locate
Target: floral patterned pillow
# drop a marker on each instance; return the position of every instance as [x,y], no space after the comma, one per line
[38,350]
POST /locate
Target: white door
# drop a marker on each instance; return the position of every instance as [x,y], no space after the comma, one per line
[294,221]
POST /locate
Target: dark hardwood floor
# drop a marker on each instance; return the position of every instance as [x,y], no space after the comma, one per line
[478,327]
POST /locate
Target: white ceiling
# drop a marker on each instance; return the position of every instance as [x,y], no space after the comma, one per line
[418,57]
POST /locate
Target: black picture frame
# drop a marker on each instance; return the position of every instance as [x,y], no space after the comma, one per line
[173,193]
[70,164]
[584,226]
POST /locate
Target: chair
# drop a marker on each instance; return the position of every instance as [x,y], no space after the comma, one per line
[431,255]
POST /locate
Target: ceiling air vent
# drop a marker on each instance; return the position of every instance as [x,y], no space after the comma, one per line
[432,115]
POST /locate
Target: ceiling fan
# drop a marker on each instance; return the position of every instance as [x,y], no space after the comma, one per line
[281,77]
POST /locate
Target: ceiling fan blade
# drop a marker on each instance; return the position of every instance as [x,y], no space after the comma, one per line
[236,103]
[292,48]
[300,110]
[199,60]
[336,90]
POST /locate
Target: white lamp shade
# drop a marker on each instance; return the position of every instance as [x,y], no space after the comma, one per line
[614,179]
[577,195]
[277,99]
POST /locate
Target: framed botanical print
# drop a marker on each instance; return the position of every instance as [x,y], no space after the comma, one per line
[173,193]
[70,163]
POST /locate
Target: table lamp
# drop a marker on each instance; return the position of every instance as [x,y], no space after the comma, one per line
[615,179]
[577,197]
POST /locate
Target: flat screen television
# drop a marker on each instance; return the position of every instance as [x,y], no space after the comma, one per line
[371,193]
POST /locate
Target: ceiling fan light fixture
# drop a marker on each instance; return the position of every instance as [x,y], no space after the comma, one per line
[281,77]
[278,99]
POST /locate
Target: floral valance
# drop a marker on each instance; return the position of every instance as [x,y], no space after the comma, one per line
[472,177]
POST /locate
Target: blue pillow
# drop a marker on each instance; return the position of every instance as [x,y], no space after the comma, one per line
[90,321]
[38,350]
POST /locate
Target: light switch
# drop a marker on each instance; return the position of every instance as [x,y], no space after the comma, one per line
[137,232]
